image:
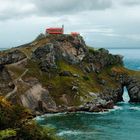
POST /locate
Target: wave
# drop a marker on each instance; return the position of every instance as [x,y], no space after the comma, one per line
[54,114]
[75,132]
[117,108]
[135,108]
[39,118]
[42,117]
[69,132]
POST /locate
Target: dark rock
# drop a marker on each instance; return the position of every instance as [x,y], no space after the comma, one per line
[40,106]
[1,67]
[47,66]
[101,81]
[6,83]
[65,73]
[87,69]
[133,87]
[12,57]
[43,51]
[46,56]
[101,58]
[69,48]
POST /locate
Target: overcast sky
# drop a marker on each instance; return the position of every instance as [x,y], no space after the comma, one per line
[103,23]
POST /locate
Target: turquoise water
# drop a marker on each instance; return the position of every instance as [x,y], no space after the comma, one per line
[120,123]
[131,57]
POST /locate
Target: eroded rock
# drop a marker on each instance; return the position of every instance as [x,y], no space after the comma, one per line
[12,57]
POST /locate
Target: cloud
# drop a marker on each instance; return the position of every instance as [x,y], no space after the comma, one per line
[15,9]
[135,37]
[11,9]
[131,2]
[63,6]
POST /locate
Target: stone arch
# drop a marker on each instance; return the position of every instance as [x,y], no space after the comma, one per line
[133,87]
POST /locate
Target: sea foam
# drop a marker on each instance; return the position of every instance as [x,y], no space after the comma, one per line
[135,108]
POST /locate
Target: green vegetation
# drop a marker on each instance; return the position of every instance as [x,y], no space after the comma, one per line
[91,50]
[60,86]
[7,133]
[86,78]
[16,122]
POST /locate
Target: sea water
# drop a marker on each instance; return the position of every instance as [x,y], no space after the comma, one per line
[120,123]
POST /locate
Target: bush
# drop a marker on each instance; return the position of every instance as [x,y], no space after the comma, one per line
[17,122]
[91,50]
[32,131]
[8,133]
[12,116]
[86,78]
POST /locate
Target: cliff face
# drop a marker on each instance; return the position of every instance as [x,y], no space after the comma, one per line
[58,73]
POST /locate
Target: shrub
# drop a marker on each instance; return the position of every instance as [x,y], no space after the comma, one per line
[17,122]
[86,78]
[8,133]
[32,131]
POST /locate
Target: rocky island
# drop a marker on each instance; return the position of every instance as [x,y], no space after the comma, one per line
[60,73]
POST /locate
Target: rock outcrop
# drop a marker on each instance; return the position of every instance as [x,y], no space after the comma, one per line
[37,98]
[6,83]
[60,73]
[71,49]
[11,57]
[133,87]
[99,59]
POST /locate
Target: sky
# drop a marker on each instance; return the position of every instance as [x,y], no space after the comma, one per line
[102,23]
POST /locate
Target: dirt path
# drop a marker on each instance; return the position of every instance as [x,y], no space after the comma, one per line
[19,62]
[15,82]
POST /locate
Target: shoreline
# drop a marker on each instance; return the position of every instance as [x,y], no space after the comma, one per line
[95,109]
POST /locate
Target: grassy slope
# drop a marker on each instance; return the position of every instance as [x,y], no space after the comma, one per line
[60,85]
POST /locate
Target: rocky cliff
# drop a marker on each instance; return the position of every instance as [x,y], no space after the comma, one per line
[57,73]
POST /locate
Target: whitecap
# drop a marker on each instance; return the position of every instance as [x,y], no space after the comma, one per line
[39,118]
[69,132]
[76,132]
[115,108]
[54,114]
[135,108]
[102,112]
[42,117]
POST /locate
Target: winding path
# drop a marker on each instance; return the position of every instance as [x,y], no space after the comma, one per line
[15,81]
